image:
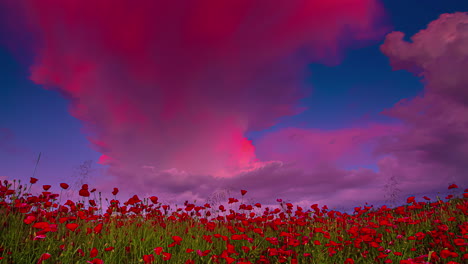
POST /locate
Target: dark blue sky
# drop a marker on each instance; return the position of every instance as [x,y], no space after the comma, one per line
[344,100]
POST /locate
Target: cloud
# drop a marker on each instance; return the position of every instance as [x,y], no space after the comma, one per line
[425,154]
[176,85]
[438,54]
[166,92]
[433,149]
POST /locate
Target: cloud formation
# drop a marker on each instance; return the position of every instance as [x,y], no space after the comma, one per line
[433,150]
[177,85]
[167,90]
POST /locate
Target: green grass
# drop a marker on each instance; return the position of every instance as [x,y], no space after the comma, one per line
[35,227]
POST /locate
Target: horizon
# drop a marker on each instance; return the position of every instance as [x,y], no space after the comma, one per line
[308,102]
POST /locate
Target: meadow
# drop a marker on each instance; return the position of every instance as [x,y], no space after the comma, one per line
[39,229]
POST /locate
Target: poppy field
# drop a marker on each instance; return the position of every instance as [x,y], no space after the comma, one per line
[39,229]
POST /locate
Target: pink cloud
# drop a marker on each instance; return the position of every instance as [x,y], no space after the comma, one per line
[425,154]
[437,54]
[175,86]
[167,90]
[433,149]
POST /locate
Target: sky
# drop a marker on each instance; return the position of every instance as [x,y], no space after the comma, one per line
[311,102]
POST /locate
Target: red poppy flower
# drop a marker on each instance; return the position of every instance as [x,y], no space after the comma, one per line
[93,253]
[29,219]
[243,192]
[33,180]
[116,190]
[98,228]
[154,199]
[177,239]
[64,186]
[148,258]
[158,250]
[84,193]
[46,187]
[167,256]
[43,257]
[96,261]
[72,226]
[41,225]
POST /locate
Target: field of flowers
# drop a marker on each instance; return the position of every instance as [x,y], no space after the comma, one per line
[38,229]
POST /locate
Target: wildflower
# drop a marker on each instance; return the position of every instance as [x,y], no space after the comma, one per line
[71,226]
[29,219]
[43,257]
[84,193]
[93,253]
